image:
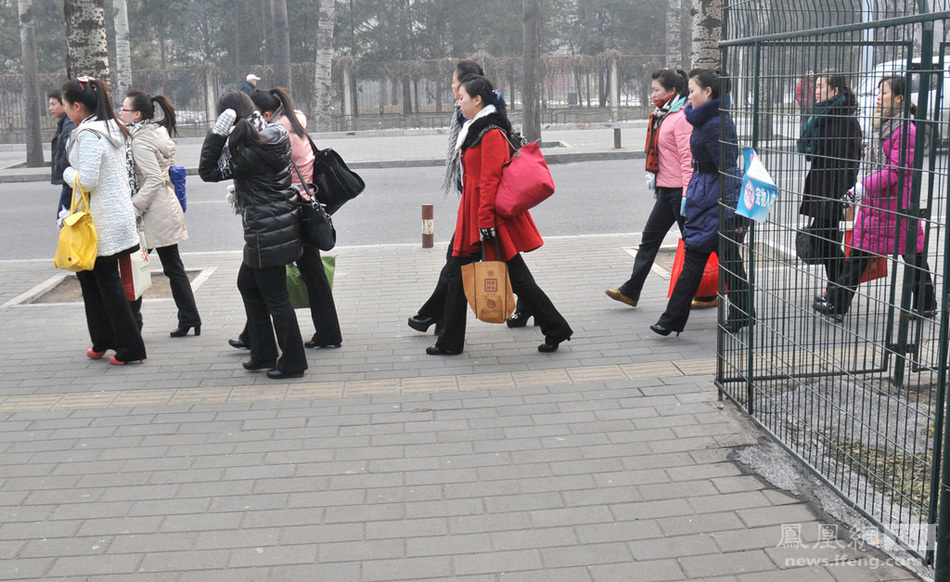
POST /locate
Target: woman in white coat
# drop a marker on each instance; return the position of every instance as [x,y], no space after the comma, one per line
[95,151]
[151,153]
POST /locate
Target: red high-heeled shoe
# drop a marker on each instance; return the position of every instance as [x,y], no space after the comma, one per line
[116,362]
[94,355]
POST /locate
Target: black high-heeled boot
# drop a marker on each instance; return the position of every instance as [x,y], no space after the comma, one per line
[662,330]
[520,319]
[182,330]
[551,344]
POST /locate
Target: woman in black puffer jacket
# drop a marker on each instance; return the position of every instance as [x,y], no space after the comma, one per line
[256,155]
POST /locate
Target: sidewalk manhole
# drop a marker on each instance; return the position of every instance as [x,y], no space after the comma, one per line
[664,258]
[68,290]
[64,288]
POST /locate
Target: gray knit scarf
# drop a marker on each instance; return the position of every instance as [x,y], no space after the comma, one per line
[134,128]
[453,163]
[875,157]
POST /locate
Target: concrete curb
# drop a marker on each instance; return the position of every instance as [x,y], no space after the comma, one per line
[559,158]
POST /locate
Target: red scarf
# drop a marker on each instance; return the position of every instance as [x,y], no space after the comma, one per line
[653,134]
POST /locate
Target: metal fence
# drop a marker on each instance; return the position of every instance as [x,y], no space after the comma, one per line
[858,399]
[386,95]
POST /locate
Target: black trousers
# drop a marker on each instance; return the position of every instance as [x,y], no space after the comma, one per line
[665,213]
[841,293]
[827,241]
[265,296]
[109,316]
[434,306]
[184,297]
[731,269]
[322,308]
[452,335]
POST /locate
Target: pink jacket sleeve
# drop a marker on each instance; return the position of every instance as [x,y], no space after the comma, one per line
[888,176]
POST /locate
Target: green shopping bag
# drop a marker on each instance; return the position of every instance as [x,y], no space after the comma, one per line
[298,289]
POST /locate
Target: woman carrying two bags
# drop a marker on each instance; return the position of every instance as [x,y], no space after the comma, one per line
[484,149]
[151,153]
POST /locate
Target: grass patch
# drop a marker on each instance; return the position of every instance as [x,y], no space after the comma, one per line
[901,475]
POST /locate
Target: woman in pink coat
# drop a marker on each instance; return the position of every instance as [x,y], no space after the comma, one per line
[883,197]
[670,167]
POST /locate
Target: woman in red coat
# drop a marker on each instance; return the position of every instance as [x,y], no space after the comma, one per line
[484,149]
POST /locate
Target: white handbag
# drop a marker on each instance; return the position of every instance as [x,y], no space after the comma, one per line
[134,271]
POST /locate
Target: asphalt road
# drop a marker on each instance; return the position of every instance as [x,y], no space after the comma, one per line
[591,198]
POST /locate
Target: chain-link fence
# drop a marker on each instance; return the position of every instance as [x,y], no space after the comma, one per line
[845,364]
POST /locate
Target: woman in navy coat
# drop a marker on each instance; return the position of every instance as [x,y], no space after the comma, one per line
[715,151]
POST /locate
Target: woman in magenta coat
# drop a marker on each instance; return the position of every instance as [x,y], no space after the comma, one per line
[880,227]
[484,149]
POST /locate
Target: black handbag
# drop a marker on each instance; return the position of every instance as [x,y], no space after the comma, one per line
[335,183]
[316,226]
[805,247]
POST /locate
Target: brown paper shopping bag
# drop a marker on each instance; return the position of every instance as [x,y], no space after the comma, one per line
[488,289]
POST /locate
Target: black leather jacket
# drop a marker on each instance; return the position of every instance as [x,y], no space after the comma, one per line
[268,203]
[58,161]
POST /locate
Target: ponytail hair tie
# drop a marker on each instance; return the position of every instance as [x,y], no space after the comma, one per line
[497,100]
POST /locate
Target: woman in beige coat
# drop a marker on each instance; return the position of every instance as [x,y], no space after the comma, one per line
[150,154]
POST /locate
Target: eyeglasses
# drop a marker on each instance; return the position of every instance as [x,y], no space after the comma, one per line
[123,109]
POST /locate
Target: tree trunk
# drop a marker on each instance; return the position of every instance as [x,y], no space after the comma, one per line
[322,82]
[31,92]
[406,95]
[266,26]
[707,32]
[415,91]
[123,51]
[86,46]
[281,44]
[531,19]
[237,44]
[674,34]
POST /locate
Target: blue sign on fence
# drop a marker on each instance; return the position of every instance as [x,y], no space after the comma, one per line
[758,189]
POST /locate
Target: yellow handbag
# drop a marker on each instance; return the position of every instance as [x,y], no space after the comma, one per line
[78,243]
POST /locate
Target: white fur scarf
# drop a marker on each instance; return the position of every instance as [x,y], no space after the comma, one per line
[487,110]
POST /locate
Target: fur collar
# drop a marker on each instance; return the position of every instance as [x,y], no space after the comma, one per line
[480,125]
[698,116]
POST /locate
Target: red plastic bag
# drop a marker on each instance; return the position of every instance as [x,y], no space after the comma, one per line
[710,283]
[877,268]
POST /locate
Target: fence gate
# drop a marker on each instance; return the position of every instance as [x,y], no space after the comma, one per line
[858,399]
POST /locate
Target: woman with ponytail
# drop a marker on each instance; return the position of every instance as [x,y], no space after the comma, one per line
[96,154]
[256,155]
[484,148]
[276,107]
[150,154]
[669,168]
[715,181]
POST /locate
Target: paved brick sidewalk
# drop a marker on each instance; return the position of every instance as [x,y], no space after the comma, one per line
[607,461]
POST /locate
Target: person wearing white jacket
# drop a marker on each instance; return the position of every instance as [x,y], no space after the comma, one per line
[96,154]
[151,153]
